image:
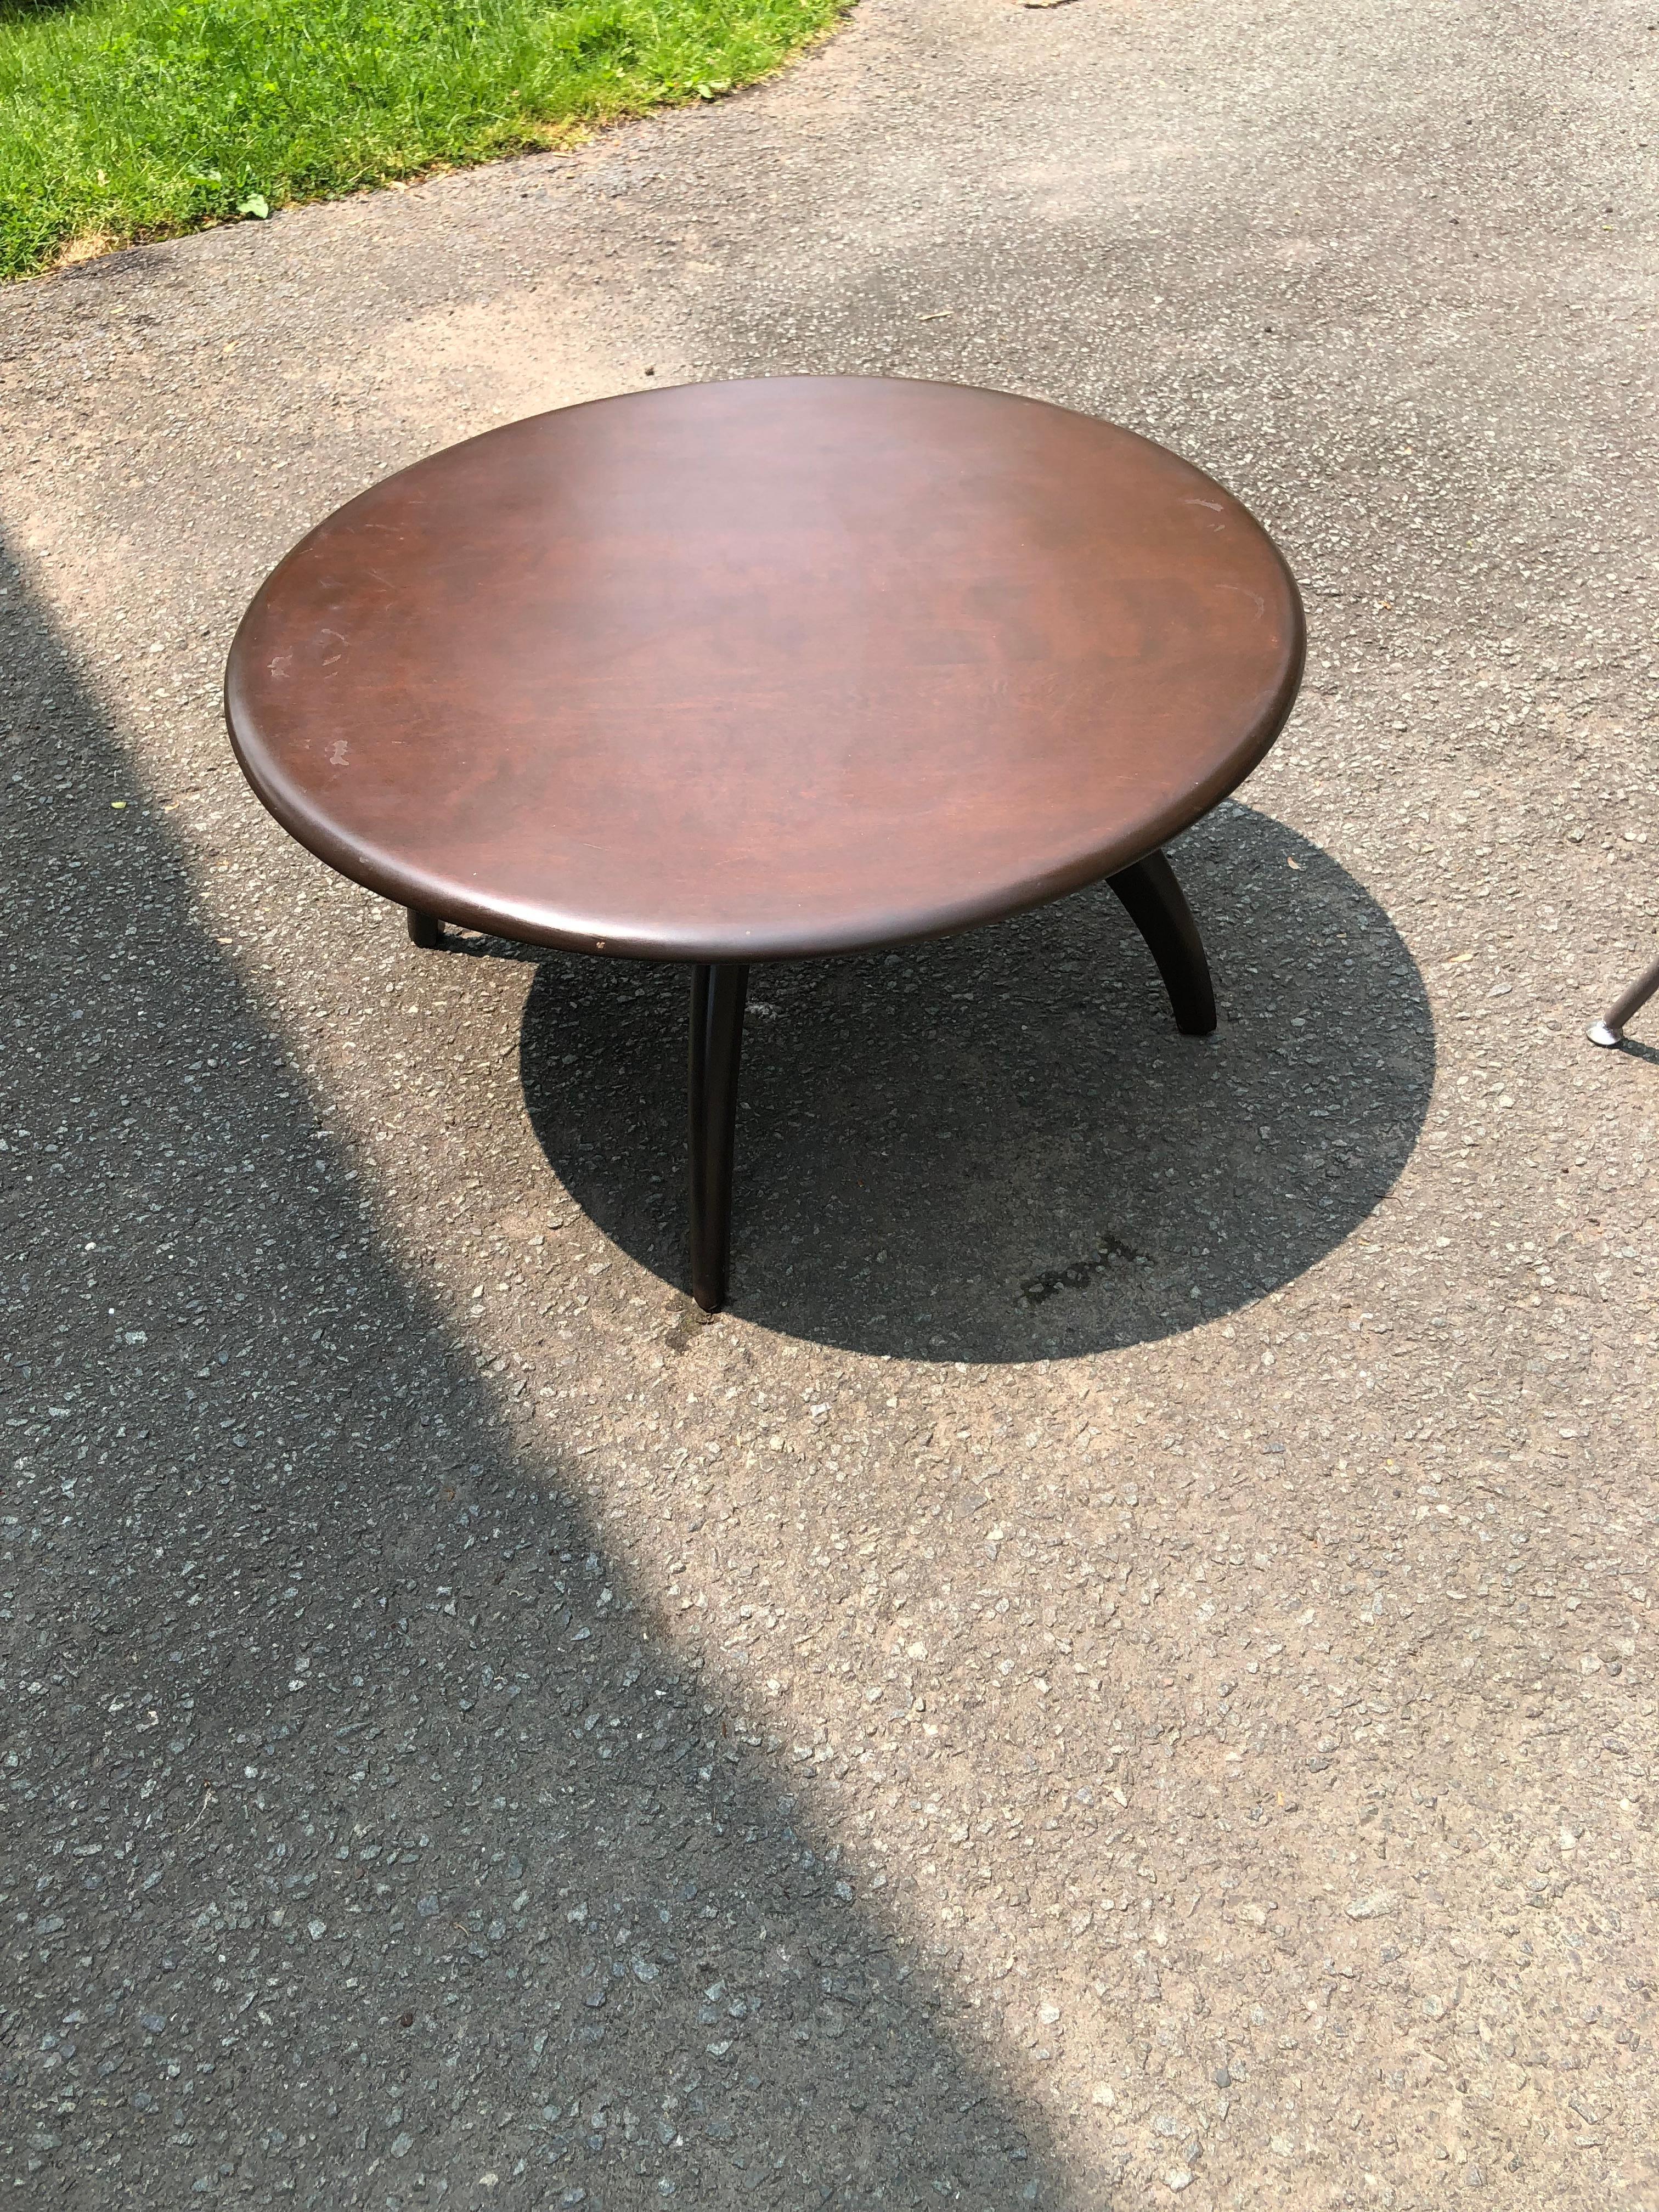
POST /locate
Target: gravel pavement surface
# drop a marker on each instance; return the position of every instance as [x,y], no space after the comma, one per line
[1122,1669]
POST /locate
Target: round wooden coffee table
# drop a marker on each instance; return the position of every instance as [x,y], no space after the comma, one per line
[737,673]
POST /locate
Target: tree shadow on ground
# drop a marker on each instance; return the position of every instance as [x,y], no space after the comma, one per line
[367,1846]
[997,1147]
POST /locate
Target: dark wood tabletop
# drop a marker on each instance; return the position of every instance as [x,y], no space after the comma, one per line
[743,671]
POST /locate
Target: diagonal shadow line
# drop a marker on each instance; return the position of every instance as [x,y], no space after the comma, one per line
[366,1845]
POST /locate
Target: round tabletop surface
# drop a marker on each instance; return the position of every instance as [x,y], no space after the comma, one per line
[750,670]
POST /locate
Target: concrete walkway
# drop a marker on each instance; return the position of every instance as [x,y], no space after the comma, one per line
[1121,1670]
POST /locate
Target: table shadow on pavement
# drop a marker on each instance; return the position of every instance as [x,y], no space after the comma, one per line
[366,1845]
[997,1147]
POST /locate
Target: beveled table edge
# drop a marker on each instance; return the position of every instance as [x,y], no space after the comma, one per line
[449,901]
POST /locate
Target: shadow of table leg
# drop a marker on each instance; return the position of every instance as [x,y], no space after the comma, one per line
[718,995]
[1158,910]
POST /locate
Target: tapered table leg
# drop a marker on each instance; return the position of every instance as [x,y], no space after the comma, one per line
[424,930]
[718,995]
[1159,911]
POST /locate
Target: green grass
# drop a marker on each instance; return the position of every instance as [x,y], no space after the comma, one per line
[130,119]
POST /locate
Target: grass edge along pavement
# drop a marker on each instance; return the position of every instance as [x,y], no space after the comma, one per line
[124,121]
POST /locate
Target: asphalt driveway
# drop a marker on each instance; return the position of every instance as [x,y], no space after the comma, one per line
[1121,1669]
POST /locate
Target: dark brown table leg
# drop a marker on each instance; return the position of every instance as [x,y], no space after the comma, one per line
[1159,911]
[718,995]
[423,930]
